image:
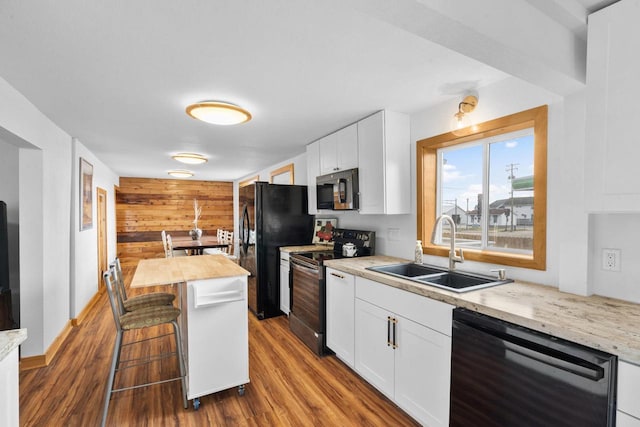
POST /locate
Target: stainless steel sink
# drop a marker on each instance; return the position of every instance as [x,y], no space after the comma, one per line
[454,281]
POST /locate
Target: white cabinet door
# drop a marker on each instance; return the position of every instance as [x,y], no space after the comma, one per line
[339,150]
[313,170]
[383,163]
[328,154]
[9,390]
[422,372]
[347,147]
[284,282]
[611,152]
[341,314]
[374,355]
[628,388]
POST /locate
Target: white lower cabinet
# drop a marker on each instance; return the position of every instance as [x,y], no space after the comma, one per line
[340,314]
[403,348]
[628,414]
[284,282]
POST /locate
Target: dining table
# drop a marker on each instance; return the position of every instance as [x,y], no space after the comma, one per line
[196,246]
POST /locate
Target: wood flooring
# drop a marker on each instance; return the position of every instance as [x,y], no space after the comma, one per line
[290,386]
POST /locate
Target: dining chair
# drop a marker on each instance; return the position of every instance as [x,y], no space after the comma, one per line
[170,252]
[225,237]
[127,304]
[136,320]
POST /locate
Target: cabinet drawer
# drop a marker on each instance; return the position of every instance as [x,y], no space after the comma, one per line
[628,388]
[425,311]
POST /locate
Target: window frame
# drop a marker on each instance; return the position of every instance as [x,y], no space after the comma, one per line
[427,180]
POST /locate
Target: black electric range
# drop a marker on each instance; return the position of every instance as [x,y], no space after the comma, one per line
[364,242]
[307,316]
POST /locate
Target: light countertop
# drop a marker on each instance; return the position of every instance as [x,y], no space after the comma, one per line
[11,339]
[606,324]
[164,271]
[307,248]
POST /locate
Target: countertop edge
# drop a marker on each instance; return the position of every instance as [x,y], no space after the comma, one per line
[602,323]
[11,339]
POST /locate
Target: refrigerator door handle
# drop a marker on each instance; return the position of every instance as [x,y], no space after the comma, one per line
[245,233]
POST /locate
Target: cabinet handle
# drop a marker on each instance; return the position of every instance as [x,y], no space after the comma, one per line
[337,275]
[395,343]
[388,331]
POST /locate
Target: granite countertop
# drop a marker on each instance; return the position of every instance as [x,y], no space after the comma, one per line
[307,248]
[606,324]
[11,339]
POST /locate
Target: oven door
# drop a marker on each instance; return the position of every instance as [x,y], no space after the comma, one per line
[305,293]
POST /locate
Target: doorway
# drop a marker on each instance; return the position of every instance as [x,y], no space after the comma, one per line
[103,263]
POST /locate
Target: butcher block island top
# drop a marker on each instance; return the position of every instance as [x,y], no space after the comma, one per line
[164,271]
[603,323]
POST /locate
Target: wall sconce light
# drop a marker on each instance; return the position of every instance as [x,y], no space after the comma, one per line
[461,119]
[218,113]
[179,173]
[190,158]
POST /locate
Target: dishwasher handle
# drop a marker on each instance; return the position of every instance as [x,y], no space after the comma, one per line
[542,353]
[202,300]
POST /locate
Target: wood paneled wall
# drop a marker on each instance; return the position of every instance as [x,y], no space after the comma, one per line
[145,207]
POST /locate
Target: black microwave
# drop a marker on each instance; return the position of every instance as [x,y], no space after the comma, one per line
[338,191]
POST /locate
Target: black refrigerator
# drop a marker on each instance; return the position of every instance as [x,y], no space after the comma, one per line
[271,216]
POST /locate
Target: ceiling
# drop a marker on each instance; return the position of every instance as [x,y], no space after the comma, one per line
[118,75]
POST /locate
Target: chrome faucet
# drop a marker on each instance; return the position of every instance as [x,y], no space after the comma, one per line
[453,258]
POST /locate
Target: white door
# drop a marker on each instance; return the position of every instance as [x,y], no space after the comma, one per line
[422,372]
[341,314]
[374,357]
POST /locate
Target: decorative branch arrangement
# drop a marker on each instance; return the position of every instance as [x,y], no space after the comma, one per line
[197,210]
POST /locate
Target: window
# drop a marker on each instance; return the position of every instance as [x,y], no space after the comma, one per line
[492,181]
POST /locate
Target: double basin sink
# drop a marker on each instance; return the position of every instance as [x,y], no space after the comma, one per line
[439,277]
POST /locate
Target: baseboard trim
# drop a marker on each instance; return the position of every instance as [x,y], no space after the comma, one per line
[76,321]
[42,360]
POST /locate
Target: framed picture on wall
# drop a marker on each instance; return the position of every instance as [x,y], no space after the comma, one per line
[86,195]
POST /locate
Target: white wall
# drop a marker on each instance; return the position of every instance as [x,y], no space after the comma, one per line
[47,181]
[44,180]
[615,231]
[84,263]
[10,195]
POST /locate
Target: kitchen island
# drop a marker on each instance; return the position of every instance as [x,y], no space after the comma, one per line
[214,324]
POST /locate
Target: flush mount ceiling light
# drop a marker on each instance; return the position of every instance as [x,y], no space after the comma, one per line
[218,113]
[461,119]
[178,173]
[190,158]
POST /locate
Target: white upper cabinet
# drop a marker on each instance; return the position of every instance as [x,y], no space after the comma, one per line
[612,150]
[313,170]
[339,150]
[384,163]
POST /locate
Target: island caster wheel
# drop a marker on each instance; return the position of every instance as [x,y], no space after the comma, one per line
[196,403]
[241,390]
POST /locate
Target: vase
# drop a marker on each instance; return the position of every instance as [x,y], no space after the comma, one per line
[195,234]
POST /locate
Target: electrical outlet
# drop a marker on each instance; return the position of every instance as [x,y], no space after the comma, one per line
[611,259]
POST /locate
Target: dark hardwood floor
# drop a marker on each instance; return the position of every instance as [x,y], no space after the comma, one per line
[290,386]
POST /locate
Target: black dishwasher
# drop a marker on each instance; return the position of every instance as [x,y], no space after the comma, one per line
[507,375]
